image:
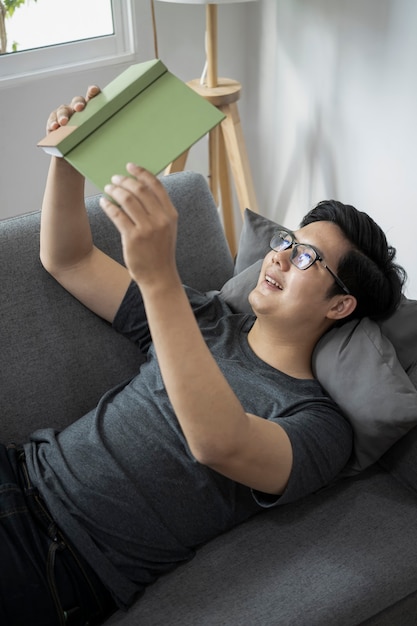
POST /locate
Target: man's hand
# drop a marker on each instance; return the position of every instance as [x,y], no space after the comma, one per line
[147,222]
[61,115]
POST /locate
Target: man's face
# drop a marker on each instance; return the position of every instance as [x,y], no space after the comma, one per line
[284,291]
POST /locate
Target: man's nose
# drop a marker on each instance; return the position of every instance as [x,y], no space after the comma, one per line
[282,258]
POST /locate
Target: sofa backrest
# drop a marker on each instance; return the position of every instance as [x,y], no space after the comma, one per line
[57,357]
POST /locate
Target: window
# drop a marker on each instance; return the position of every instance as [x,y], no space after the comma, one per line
[54,35]
[41,23]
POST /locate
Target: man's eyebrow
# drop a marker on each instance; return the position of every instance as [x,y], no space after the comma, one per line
[291,232]
[318,250]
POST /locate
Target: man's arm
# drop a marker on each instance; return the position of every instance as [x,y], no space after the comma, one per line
[220,434]
[67,251]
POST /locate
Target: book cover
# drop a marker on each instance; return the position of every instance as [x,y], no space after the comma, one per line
[146,116]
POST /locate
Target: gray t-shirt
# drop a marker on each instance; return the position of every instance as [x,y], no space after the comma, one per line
[122,483]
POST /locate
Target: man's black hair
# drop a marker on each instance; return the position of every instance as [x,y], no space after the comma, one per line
[368,269]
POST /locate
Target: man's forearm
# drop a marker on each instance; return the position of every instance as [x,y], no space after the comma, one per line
[207,408]
[65,230]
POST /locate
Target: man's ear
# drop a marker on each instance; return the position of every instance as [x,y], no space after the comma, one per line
[341,306]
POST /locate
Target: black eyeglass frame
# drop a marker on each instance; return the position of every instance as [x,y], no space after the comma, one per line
[292,243]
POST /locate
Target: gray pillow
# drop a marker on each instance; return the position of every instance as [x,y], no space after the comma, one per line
[358,367]
[363,369]
[401,458]
[237,289]
[401,330]
[254,239]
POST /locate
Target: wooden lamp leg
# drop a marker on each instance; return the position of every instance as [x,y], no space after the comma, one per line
[226,197]
[178,165]
[214,168]
[238,158]
[226,142]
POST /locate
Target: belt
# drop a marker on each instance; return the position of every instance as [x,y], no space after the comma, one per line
[97,598]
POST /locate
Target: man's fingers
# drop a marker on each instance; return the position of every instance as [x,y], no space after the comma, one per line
[92,91]
[59,117]
[115,213]
[142,196]
[147,180]
[78,103]
[135,193]
[130,195]
[63,113]
[137,187]
[151,185]
[52,122]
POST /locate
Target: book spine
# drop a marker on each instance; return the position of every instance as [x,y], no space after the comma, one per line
[114,97]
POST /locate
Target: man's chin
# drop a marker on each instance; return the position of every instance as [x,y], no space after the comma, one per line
[253,298]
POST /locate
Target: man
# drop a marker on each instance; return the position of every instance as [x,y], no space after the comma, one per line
[223,420]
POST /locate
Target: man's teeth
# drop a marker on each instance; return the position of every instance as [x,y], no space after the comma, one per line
[273,282]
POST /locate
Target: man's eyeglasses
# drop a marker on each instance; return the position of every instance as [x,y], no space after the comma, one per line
[303,255]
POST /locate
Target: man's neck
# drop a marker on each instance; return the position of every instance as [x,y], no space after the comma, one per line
[288,352]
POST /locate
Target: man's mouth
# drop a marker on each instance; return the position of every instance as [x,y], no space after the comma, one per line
[271,281]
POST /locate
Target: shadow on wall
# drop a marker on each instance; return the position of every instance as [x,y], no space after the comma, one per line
[312,165]
[298,93]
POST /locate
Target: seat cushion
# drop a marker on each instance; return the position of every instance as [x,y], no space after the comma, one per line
[337,557]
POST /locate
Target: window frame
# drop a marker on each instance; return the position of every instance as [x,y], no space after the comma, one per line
[19,67]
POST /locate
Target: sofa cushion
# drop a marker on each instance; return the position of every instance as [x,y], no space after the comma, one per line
[363,369]
[335,558]
[401,459]
[58,357]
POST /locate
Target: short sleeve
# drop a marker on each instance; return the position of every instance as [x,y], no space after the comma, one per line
[130,319]
[322,442]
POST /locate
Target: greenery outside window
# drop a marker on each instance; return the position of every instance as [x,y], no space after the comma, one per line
[44,36]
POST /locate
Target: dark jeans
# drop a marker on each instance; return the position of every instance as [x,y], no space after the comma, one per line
[43,581]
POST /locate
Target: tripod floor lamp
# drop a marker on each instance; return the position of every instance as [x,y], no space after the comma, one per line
[227,150]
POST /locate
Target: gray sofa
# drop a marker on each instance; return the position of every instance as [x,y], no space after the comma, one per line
[341,557]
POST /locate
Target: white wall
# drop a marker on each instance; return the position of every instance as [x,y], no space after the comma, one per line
[334,86]
[327,108]
[24,108]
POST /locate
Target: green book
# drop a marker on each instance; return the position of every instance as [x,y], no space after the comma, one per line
[145,116]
